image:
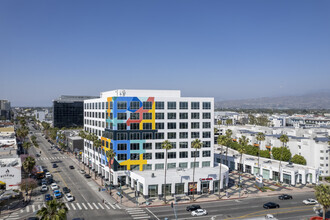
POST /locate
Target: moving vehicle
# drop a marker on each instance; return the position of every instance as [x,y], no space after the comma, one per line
[271,205]
[199,212]
[54,186]
[66,190]
[40,174]
[284,197]
[57,194]
[69,197]
[310,202]
[193,207]
[44,188]
[71,167]
[82,171]
[87,176]
[54,165]
[48,197]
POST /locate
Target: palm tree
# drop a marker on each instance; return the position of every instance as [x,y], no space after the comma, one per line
[54,210]
[29,164]
[322,193]
[260,137]
[242,150]
[166,145]
[26,146]
[222,140]
[110,155]
[196,144]
[229,133]
[83,135]
[284,139]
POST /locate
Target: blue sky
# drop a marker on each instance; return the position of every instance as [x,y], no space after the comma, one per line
[224,49]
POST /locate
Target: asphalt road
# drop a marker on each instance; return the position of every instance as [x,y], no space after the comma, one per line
[250,208]
[87,204]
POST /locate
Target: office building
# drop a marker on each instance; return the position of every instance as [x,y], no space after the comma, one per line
[5,110]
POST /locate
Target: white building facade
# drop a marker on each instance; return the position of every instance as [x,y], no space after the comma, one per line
[135,123]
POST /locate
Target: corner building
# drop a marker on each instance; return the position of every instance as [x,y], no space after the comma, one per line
[134,123]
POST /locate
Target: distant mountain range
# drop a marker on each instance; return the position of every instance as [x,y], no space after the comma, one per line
[319,100]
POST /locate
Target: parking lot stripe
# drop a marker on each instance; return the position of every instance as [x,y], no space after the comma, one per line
[66,204]
[90,206]
[101,206]
[79,206]
[84,206]
[95,205]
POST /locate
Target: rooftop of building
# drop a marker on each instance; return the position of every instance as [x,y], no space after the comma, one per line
[141,93]
[11,160]
[69,98]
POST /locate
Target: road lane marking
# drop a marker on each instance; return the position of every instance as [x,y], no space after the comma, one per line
[111,205]
[79,206]
[152,214]
[90,206]
[33,209]
[39,207]
[22,210]
[95,205]
[107,206]
[140,217]
[27,209]
[118,206]
[74,207]
[135,211]
[84,206]
[66,204]
[101,206]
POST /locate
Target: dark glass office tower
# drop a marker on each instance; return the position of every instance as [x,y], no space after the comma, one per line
[68,111]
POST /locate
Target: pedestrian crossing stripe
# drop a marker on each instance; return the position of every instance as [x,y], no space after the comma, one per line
[137,213]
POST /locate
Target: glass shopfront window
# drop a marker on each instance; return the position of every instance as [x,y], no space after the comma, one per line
[153,190]
[205,185]
[179,188]
[192,188]
[286,178]
[167,189]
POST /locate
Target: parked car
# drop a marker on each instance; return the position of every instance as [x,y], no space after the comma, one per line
[271,205]
[48,175]
[38,155]
[48,197]
[43,182]
[54,186]
[44,188]
[50,180]
[66,190]
[310,202]
[57,194]
[54,165]
[71,167]
[87,176]
[82,171]
[69,197]
[284,197]
[193,207]
[199,212]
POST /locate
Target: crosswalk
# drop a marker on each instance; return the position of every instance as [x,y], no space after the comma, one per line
[75,206]
[51,158]
[12,216]
[137,213]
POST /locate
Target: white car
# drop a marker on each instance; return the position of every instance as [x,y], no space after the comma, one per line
[310,202]
[69,197]
[44,188]
[54,186]
[48,175]
[199,212]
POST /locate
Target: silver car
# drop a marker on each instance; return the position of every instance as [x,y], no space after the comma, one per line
[199,212]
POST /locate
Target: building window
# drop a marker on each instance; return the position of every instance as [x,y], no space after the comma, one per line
[194,125]
[193,153]
[159,136]
[183,135]
[135,146]
[147,105]
[206,115]
[135,116]
[171,135]
[134,136]
[183,105]
[159,115]
[171,155]
[206,124]
[206,153]
[147,156]
[135,167]
[135,156]
[147,116]
[206,134]
[122,167]
[194,105]
[122,147]
[171,166]
[206,105]
[121,136]
[158,146]
[194,165]
[183,115]
[194,134]
[147,166]
[206,164]
[111,116]
[194,115]
[121,156]
[147,146]
[121,116]
[122,105]
[183,125]
[171,125]
[147,136]
[183,144]
[135,126]
[147,126]
[206,144]
[184,154]
[171,115]
[121,126]
[159,105]
[159,166]
[159,125]
[183,165]
[159,155]
[171,105]
[134,105]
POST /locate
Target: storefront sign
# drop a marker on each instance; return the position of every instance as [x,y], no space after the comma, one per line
[7,175]
[205,179]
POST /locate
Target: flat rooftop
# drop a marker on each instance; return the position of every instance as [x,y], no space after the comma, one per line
[143,93]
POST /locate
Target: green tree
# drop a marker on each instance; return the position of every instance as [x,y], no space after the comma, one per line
[26,146]
[281,153]
[196,144]
[27,185]
[229,133]
[166,145]
[260,137]
[54,210]
[284,139]
[242,149]
[28,164]
[229,121]
[322,193]
[298,159]
[110,154]
[222,140]
[252,119]
[265,153]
